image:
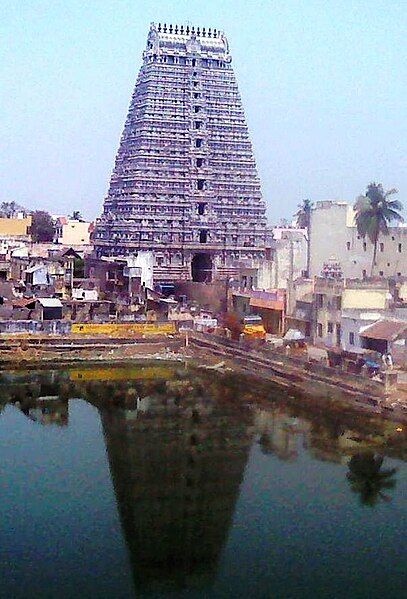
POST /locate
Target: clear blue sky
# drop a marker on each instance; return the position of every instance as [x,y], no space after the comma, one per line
[323,84]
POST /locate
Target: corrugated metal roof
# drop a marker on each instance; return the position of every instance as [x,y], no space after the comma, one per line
[50,302]
[35,268]
[389,330]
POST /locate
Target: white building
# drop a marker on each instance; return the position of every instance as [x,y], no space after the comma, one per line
[289,256]
[72,232]
[334,237]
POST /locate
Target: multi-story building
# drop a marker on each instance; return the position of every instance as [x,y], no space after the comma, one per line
[72,232]
[185,183]
[334,237]
[327,311]
[289,256]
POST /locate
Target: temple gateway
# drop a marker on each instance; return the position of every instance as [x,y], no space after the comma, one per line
[185,184]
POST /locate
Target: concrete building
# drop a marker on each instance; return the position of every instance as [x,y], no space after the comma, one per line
[387,336]
[270,305]
[300,307]
[185,183]
[50,308]
[85,290]
[126,276]
[72,232]
[289,256]
[327,311]
[334,237]
[16,228]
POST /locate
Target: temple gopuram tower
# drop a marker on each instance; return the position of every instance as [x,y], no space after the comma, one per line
[185,184]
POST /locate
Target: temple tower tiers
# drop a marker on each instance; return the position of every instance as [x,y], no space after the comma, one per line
[185,183]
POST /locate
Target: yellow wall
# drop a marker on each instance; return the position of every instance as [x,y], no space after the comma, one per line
[15,227]
[122,374]
[121,330]
[364,299]
[75,233]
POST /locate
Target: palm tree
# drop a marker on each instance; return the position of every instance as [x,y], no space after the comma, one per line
[374,212]
[368,479]
[76,215]
[303,221]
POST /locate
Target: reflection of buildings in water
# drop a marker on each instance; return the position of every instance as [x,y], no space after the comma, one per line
[47,410]
[325,437]
[40,396]
[177,465]
[279,433]
[340,443]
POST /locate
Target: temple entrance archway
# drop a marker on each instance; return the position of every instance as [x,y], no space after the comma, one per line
[201,267]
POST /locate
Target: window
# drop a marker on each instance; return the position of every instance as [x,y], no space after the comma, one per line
[199,161]
[319,329]
[198,143]
[197,108]
[201,208]
[351,338]
[399,248]
[399,274]
[201,184]
[338,302]
[381,273]
[364,246]
[203,236]
[198,124]
[364,274]
[320,300]
[194,63]
[330,327]
[348,245]
[382,247]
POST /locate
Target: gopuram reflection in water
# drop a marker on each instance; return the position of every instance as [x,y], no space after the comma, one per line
[177,457]
[180,444]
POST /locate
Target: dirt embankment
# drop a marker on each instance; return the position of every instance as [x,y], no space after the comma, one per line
[305,380]
[36,351]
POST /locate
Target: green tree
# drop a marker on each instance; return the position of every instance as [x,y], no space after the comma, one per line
[303,221]
[374,212]
[42,226]
[10,209]
[367,478]
[79,268]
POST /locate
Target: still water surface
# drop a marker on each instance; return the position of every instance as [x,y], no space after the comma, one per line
[162,481]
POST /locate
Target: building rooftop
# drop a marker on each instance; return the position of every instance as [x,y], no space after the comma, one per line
[389,330]
[50,302]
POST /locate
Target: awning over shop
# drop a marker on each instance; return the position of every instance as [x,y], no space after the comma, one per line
[269,304]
